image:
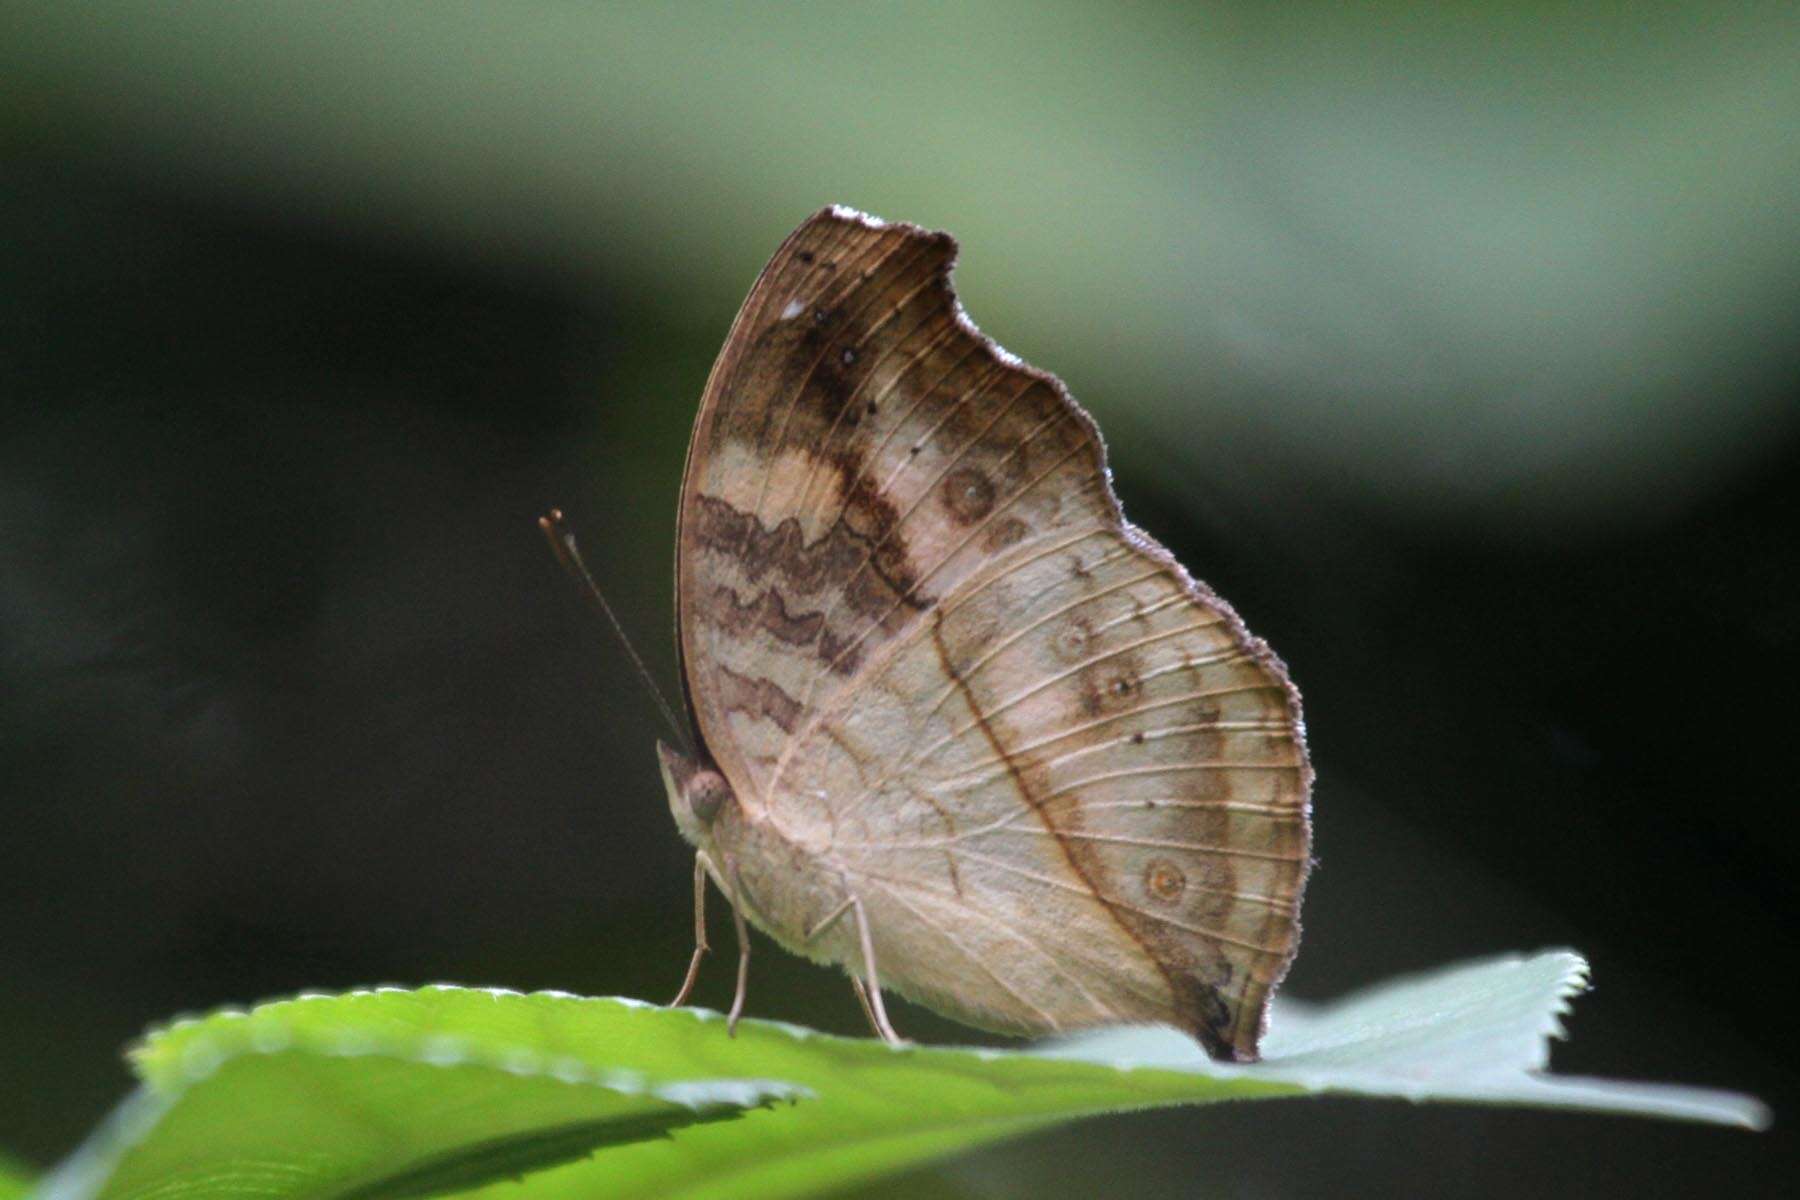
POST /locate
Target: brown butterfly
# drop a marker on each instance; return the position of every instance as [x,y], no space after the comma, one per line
[961,728]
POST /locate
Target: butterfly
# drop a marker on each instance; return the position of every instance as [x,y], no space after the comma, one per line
[960,728]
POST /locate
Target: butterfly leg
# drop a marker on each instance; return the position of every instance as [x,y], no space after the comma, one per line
[700,946]
[743,939]
[862,998]
[882,1025]
[828,920]
[862,993]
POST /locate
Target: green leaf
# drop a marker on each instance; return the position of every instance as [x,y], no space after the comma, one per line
[383,1095]
[390,1094]
[15,1177]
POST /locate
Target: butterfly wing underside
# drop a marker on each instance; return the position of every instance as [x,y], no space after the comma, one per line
[917,631]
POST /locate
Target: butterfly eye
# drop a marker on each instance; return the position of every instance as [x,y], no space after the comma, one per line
[706,794]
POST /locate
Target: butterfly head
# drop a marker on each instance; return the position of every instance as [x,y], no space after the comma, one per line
[697,794]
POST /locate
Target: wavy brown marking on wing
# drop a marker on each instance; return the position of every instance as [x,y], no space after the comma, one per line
[834,565]
[768,612]
[870,457]
[823,290]
[886,543]
[1079,863]
[885,556]
[922,277]
[958,547]
[893,619]
[888,550]
[756,697]
[853,647]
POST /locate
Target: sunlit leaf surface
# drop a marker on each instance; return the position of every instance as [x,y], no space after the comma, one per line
[395,1094]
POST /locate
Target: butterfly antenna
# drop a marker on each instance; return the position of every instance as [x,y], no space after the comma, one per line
[562,545]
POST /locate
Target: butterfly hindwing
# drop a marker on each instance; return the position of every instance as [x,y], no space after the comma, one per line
[1100,773]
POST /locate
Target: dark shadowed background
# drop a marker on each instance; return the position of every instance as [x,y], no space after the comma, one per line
[1455,345]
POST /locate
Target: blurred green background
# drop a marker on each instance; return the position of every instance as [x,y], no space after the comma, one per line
[1455,344]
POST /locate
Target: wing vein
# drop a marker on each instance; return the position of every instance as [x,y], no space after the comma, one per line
[1021,697]
[1117,902]
[1073,950]
[981,963]
[1116,839]
[814,471]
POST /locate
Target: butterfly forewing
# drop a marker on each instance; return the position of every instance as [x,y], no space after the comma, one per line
[920,638]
